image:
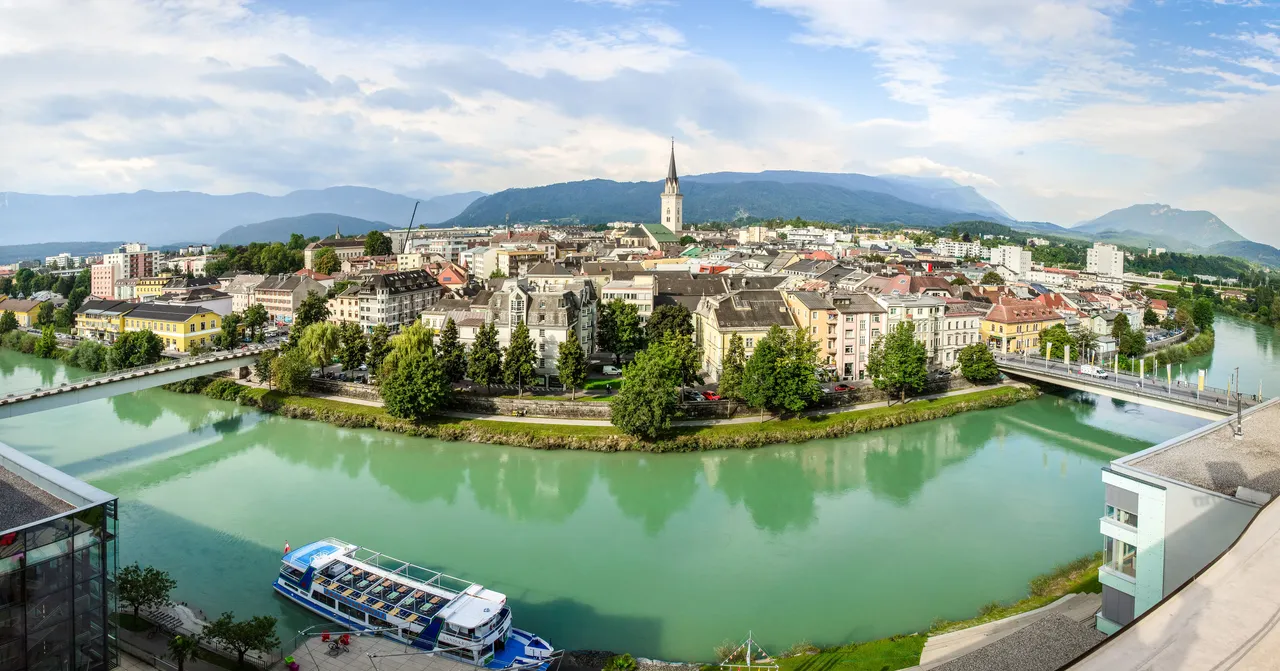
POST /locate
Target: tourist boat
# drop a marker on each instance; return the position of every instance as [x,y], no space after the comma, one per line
[370,592]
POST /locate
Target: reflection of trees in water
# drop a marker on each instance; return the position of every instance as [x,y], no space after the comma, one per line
[136,409]
[769,483]
[523,484]
[8,364]
[650,488]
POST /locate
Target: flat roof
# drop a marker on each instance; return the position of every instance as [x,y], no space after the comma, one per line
[22,503]
[1212,458]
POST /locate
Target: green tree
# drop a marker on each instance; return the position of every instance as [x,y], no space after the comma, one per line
[413,383]
[732,365]
[453,354]
[571,365]
[1202,314]
[263,365]
[291,371]
[320,342]
[47,346]
[898,363]
[325,260]
[379,347]
[669,319]
[517,364]
[977,365]
[76,299]
[255,319]
[230,336]
[8,322]
[1054,341]
[64,286]
[991,277]
[88,355]
[497,274]
[760,375]
[618,329]
[63,318]
[143,587]
[312,310]
[6,286]
[647,402]
[1119,326]
[797,379]
[959,281]
[183,649]
[297,241]
[1132,343]
[1169,275]
[377,244]
[687,240]
[45,316]
[682,357]
[255,633]
[355,346]
[84,280]
[135,348]
[1150,318]
[484,366]
[1086,340]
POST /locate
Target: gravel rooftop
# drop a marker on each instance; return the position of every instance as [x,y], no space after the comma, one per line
[1218,462]
[22,503]
[1045,645]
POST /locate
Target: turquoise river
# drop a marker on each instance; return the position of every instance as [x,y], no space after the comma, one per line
[658,555]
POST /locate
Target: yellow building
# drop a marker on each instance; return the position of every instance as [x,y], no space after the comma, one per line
[1015,326]
[150,287]
[180,327]
[749,314]
[101,320]
[25,311]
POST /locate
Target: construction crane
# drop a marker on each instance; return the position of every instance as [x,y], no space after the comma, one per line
[405,247]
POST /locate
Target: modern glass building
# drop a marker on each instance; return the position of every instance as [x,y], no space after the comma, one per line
[57,569]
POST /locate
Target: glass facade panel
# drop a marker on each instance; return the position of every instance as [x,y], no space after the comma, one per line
[56,593]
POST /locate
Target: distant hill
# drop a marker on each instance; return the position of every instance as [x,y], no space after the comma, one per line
[279,230]
[15,253]
[1248,250]
[935,192]
[161,218]
[599,201]
[1046,228]
[1162,222]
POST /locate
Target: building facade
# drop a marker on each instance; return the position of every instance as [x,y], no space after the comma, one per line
[672,211]
[924,313]
[396,299]
[961,327]
[57,568]
[282,294]
[25,311]
[101,320]
[1105,259]
[1012,257]
[1015,326]
[179,327]
[102,280]
[749,314]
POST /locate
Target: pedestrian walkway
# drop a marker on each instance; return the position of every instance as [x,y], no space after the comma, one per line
[685,422]
[943,648]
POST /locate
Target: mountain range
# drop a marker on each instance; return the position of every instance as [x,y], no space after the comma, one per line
[164,217]
[279,230]
[1164,223]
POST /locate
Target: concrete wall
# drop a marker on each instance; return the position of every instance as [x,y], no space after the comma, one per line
[505,406]
[367,392]
[1199,525]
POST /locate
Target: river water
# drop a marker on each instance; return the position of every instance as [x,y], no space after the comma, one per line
[658,555]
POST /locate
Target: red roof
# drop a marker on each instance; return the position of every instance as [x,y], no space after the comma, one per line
[1055,302]
[1159,304]
[314,275]
[819,256]
[1018,312]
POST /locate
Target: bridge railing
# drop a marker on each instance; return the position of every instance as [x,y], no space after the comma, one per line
[123,373]
[1212,397]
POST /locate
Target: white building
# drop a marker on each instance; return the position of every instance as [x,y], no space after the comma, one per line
[924,313]
[637,291]
[1106,260]
[1012,257]
[957,248]
[961,323]
[672,201]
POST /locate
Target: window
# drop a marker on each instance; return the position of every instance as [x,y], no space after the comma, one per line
[350,612]
[322,598]
[751,342]
[1120,556]
[875,318]
[1122,516]
[848,349]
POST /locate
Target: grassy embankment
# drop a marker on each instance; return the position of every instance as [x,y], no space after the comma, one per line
[607,438]
[900,652]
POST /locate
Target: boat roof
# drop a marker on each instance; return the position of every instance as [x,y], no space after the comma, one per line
[303,556]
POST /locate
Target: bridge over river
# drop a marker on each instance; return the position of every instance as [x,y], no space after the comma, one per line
[1162,392]
[127,381]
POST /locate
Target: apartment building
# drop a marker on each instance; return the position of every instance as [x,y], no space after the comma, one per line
[1015,326]
[344,247]
[957,248]
[102,279]
[747,313]
[396,299]
[179,327]
[636,290]
[25,311]
[241,288]
[1106,260]
[1170,510]
[552,317]
[126,289]
[961,327]
[861,322]
[282,294]
[817,316]
[345,307]
[101,320]
[924,313]
[135,260]
[148,288]
[1012,257]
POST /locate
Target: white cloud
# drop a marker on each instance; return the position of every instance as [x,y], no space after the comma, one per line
[923,166]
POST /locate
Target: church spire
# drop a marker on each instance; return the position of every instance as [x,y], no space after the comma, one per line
[671,170]
[337,235]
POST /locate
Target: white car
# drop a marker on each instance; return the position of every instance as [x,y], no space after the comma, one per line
[612,370]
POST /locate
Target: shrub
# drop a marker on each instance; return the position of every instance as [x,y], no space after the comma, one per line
[988,608]
[623,662]
[224,389]
[801,648]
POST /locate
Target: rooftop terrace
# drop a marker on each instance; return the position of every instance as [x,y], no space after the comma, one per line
[22,503]
[1214,459]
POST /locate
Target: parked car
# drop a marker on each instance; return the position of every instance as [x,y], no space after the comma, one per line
[711,396]
[842,387]
[693,397]
[612,370]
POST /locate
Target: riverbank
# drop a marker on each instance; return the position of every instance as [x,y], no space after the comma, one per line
[606,438]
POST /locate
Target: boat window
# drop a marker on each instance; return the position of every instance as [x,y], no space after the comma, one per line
[354,614]
[291,573]
[379,622]
[322,598]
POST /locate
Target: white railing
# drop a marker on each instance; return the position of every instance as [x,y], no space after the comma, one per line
[127,373]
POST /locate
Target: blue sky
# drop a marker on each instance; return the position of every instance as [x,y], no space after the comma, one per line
[1059,110]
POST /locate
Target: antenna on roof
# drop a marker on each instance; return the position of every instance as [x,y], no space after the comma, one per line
[405,247]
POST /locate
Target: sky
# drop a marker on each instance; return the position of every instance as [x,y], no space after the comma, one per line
[1058,110]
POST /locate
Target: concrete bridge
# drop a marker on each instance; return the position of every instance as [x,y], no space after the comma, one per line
[1209,403]
[127,381]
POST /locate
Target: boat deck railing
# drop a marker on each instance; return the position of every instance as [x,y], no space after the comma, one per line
[426,576]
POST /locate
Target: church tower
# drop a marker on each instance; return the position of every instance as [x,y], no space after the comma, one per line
[672,209]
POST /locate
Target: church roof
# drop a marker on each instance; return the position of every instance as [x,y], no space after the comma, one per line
[671,170]
[660,233]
